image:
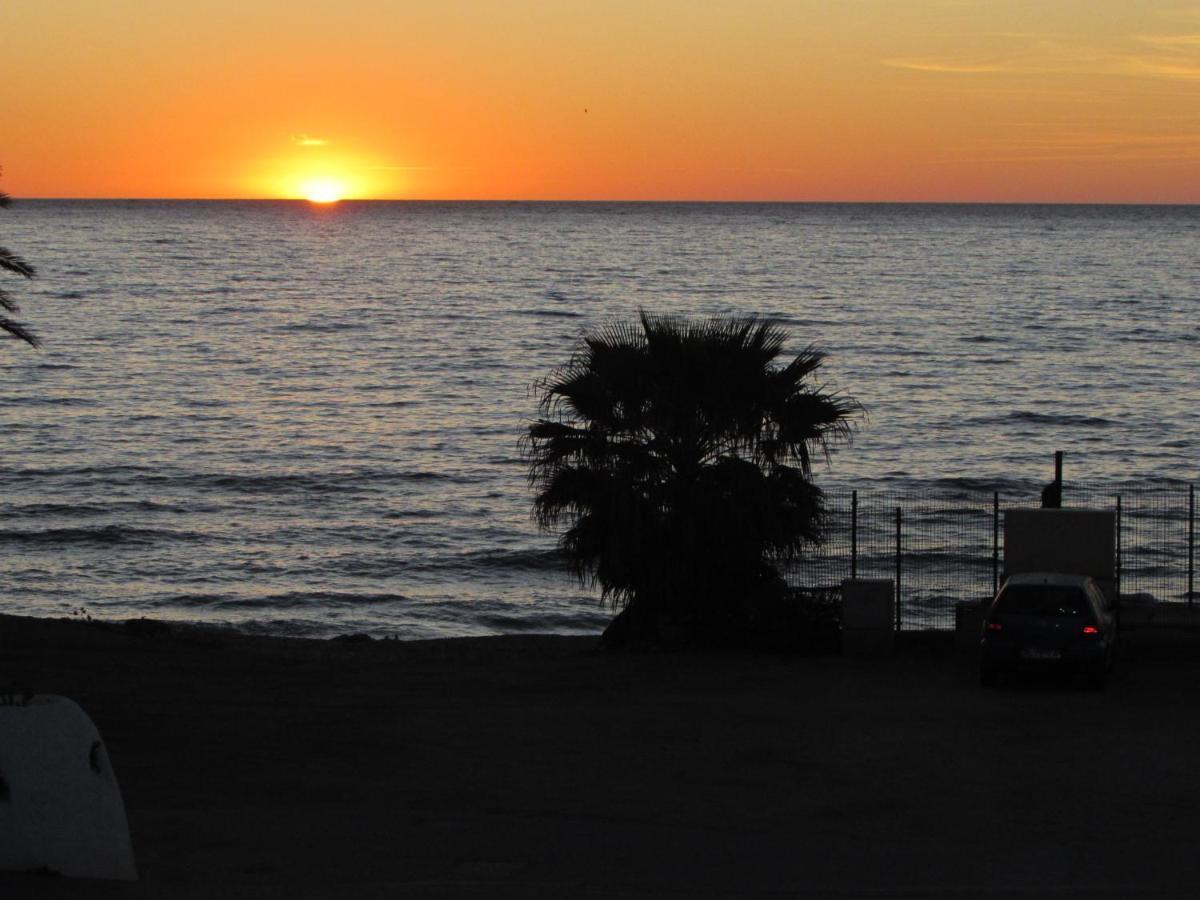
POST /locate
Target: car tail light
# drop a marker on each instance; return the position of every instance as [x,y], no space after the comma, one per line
[994,626]
[1090,629]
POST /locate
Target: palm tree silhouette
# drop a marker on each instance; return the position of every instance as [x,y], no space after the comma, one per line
[10,262]
[676,457]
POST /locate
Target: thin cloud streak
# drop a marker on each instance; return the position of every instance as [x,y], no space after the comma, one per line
[1177,59]
[1178,42]
[1073,157]
[933,65]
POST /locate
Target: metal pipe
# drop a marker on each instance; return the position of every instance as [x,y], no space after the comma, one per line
[1191,543]
[1053,492]
[1118,548]
[853,534]
[995,542]
[898,548]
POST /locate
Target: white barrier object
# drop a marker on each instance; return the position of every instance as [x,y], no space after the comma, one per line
[868,617]
[1070,541]
[60,806]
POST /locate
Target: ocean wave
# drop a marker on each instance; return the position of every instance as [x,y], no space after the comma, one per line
[786,318]
[1028,417]
[519,560]
[550,313]
[105,535]
[385,565]
[525,622]
[47,401]
[17,474]
[414,514]
[901,488]
[83,510]
[320,327]
[284,600]
[234,482]
[298,482]
[968,487]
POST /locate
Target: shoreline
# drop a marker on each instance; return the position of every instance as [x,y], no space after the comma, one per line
[532,766]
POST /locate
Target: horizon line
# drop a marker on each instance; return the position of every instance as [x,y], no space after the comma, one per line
[19,199]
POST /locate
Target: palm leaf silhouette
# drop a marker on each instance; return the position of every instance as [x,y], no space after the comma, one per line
[11,262]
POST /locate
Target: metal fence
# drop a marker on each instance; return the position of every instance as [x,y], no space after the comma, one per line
[940,550]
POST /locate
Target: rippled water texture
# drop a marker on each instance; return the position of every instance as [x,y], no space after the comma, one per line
[305,420]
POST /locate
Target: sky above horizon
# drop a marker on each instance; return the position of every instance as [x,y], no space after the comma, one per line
[887,100]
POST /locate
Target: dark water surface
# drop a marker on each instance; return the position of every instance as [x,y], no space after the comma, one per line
[305,420]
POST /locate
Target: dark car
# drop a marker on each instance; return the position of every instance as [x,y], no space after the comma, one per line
[1047,621]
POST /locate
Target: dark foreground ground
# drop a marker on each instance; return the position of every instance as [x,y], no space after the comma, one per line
[538,767]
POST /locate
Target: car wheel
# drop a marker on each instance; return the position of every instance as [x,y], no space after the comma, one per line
[1096,680]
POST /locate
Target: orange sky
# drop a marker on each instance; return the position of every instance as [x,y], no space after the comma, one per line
[960,100]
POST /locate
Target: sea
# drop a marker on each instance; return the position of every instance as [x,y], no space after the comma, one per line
[306,420]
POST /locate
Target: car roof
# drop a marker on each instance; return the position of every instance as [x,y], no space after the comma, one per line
[1053,579]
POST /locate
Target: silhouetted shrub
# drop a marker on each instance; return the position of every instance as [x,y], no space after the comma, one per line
[675,457]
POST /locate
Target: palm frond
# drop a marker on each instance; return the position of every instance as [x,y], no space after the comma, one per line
[17,330]
[10,262]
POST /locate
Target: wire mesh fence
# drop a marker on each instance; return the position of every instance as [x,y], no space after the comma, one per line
[1155,536]
[939,550]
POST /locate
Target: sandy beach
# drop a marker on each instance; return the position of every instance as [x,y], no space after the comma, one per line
[543,767]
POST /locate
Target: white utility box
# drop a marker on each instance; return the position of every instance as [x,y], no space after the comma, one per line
[868,617]
[1068,541]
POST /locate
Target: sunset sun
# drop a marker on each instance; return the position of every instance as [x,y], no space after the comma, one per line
[323,190]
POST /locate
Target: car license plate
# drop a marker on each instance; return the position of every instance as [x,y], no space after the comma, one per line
[1039,653]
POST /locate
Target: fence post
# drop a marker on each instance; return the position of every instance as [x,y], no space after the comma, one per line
[853,534]
[1191,543]
[1118,548]
[995,542]
[898,547]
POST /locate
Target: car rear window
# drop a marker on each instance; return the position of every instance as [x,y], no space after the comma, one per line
[1042,600]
